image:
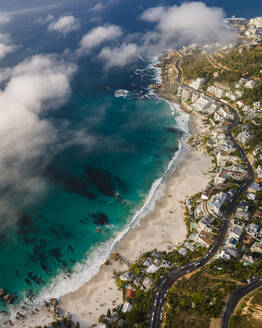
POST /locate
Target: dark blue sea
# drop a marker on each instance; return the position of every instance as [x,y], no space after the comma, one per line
[109,153]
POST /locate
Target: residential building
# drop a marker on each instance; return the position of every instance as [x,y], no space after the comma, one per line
[152,268]
[253,229]
[127,276]
[127,307]
[207,223]
[258,214]
[244,136]
[256,247]
[242,211]
[147,283]
[254,187]
[236,232]
[216,202]
[204,238]
[189,246]
[182,251]
[250,84]
[196,84]
[201,104]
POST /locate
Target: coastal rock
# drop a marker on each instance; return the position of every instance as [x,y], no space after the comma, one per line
[2,292]
[53,301]
[107,262]
[115,256]
[9,298]
[19,316]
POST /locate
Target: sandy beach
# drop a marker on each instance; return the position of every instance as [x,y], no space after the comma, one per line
[163,230]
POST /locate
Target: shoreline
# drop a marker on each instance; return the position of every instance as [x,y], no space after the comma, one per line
[98,294]
[155,231]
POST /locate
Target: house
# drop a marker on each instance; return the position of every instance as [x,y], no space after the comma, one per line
[215,91]
[236,232]
[127,307]
[253,229]
[165,264]
[130,293]
[127,276]
[223,157]
[182,251]
[201,104]
[254,187]
[251,196]
[221,177]
[233,252]
[244,137]
[196,84]
[242,211]
[229,253]
[206,192]
[258,214]
[207,223]
[189,246]
[218,89]
[152,268]
[147,283]
[225,112]
[204,238]
[157,255]
[256,247]
[216,202]
[231,242]
[186,95]
[247,259]
[250,84]
[257,22]
[148,261]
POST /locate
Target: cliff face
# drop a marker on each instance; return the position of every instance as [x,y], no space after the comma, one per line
[167,89]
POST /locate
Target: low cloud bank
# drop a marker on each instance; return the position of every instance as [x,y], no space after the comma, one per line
[173,27]
[26,138]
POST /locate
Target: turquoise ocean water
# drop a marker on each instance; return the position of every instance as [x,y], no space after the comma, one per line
[94,189]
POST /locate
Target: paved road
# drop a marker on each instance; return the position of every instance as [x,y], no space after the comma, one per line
[236,297]
[156,314]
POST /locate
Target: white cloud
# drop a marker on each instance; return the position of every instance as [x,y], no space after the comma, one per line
[5,45]
[153,14]
[65,24]
[4,18]
[46,20]
[175,26]
[119,56]
[98,6]
[190,22]
[26,138]
[99,35]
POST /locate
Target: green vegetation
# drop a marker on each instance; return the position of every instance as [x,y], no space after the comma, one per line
[249,312]
[247,61]
[194,301]
[195,66]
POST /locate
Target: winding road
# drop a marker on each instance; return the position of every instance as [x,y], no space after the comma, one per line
[236,297]
[156,314]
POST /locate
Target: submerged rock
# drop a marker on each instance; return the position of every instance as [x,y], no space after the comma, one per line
[2,292]
[100,218]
